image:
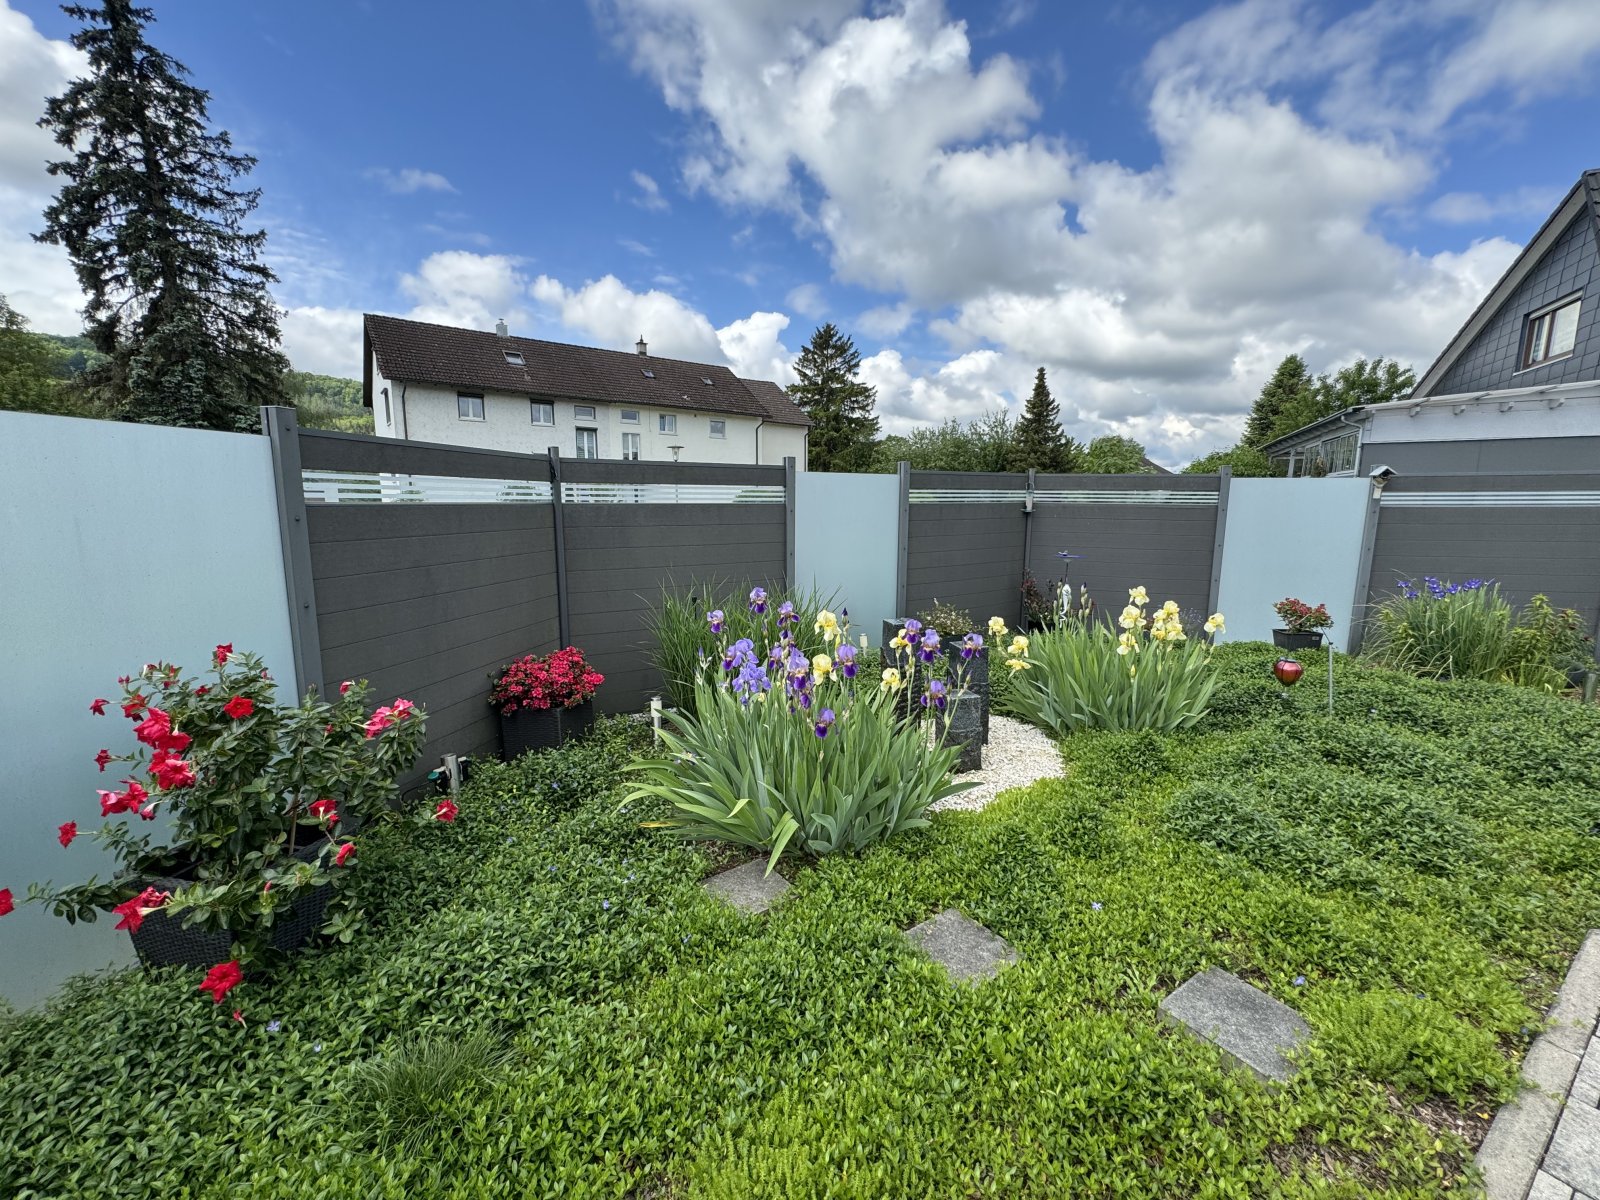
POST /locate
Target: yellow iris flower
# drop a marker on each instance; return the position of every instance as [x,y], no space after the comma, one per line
[891,680]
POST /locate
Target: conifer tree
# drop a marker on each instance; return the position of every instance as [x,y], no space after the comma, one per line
[1290,390]
[156,229]
[843,426]
[1039,443]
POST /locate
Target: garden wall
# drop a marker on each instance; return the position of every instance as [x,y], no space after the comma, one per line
[964,540]
[122,544]
[1530,533]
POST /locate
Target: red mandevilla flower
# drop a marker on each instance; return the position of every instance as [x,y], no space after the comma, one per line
[6,904]
[222,979]
[222,652]
[133,911]
[98,707]
[171,772]
[66,833]
[342,855]
[133,706]
[446,811]
[346,686]
[103,758]
[324,810]
[239,707]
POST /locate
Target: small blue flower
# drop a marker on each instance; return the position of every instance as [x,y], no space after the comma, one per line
[274,1026]
[1096,906]
[1299,981]
[552,868]
[606,905]
[317,1048]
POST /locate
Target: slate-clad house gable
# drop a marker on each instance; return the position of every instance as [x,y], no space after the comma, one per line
[1493,359]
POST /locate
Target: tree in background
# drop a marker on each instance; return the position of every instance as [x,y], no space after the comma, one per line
[34,374]
[1290,390]
[982,444]
[1246,462]
[1112,455]
[327,402]
[843,426]
[1362,382]
[1038,442]
[155,229]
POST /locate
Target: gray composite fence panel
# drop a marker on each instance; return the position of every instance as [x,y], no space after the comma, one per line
[1500,527]
[965,552]
[623,555]
[426,600]
[1138,529]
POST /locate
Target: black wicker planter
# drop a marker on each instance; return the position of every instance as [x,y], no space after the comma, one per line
[543,728]
[1287,639]
[162,940]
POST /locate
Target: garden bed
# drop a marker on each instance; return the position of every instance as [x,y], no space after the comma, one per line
[1410,875]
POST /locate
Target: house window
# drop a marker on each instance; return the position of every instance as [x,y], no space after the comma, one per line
[583,412]
[1552,332]
[666,423]
[513,357]
[647,372]
[630,416]
[588,443]
[469,407]
[630,447]
[542,414]
[719,429]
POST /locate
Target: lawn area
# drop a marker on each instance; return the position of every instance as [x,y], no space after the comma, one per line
[1411,875]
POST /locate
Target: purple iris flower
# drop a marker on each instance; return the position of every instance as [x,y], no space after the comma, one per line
[935,696]
[824,722]
[786,613]
[798,660]
[716,618]
[845,659]
[971,644]
[913,627]
[758,600]
[930,646]
[740,653]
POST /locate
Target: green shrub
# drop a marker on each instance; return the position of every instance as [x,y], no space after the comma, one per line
[1417,1044]
[413,1096]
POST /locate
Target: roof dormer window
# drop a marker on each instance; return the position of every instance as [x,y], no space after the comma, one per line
[514,357]
[647,372]
[1552,332]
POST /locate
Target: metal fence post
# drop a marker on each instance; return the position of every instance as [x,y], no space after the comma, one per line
[1224,483]
[1369,543]
[789,482]
[903,543]
[563,611]
[282,427]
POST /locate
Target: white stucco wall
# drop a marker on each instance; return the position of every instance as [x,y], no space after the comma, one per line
[430,414]
[123,544]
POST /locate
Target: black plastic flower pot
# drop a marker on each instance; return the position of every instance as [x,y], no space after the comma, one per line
[162,941]
[1288,639]
[543,728]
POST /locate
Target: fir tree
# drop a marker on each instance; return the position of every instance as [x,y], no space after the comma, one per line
[840,405]
[1039,443]
[1288,394]
[155,228]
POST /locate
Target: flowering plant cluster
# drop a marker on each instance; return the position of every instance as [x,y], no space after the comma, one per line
[260,802]
[1151,675]
[559,680]
[1432,589]
[1299,617]
[783,745]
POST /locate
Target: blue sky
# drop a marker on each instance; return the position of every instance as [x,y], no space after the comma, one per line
[1155,202]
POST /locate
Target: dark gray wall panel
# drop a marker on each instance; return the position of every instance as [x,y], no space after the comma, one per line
[966,555]
[1519,456]
[1493,358]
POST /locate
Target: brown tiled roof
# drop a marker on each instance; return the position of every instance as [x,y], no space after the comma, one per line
[417,352]
[775,400]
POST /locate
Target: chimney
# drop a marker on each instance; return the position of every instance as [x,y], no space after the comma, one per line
[640,346]
[501,329]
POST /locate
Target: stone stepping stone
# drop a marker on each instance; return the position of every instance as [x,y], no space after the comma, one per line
[968,951]
[748,887]
[1247,1025]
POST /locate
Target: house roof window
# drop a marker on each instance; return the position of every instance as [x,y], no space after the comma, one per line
[1552,332]
[514,357]
[706,379]
[647,372]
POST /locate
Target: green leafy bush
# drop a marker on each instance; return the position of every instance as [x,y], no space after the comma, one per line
[1151,676]
[1415,1043]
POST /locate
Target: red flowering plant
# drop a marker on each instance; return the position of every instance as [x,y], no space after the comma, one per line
[1299,617]
[559,680]
[260,800]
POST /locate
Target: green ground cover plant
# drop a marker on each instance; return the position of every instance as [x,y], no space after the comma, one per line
[1411,874]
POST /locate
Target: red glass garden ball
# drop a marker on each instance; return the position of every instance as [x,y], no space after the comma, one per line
[1288,671]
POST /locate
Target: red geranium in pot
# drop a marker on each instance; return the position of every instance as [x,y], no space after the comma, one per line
[544,699]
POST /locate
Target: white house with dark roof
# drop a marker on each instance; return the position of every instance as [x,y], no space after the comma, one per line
[1516,391]
[470,387]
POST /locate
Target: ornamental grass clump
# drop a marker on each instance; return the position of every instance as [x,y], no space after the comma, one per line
[1444,630]
[261,803]
[1150,676]
[783,748]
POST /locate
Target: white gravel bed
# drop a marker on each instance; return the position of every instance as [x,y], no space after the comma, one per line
[1017,754]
